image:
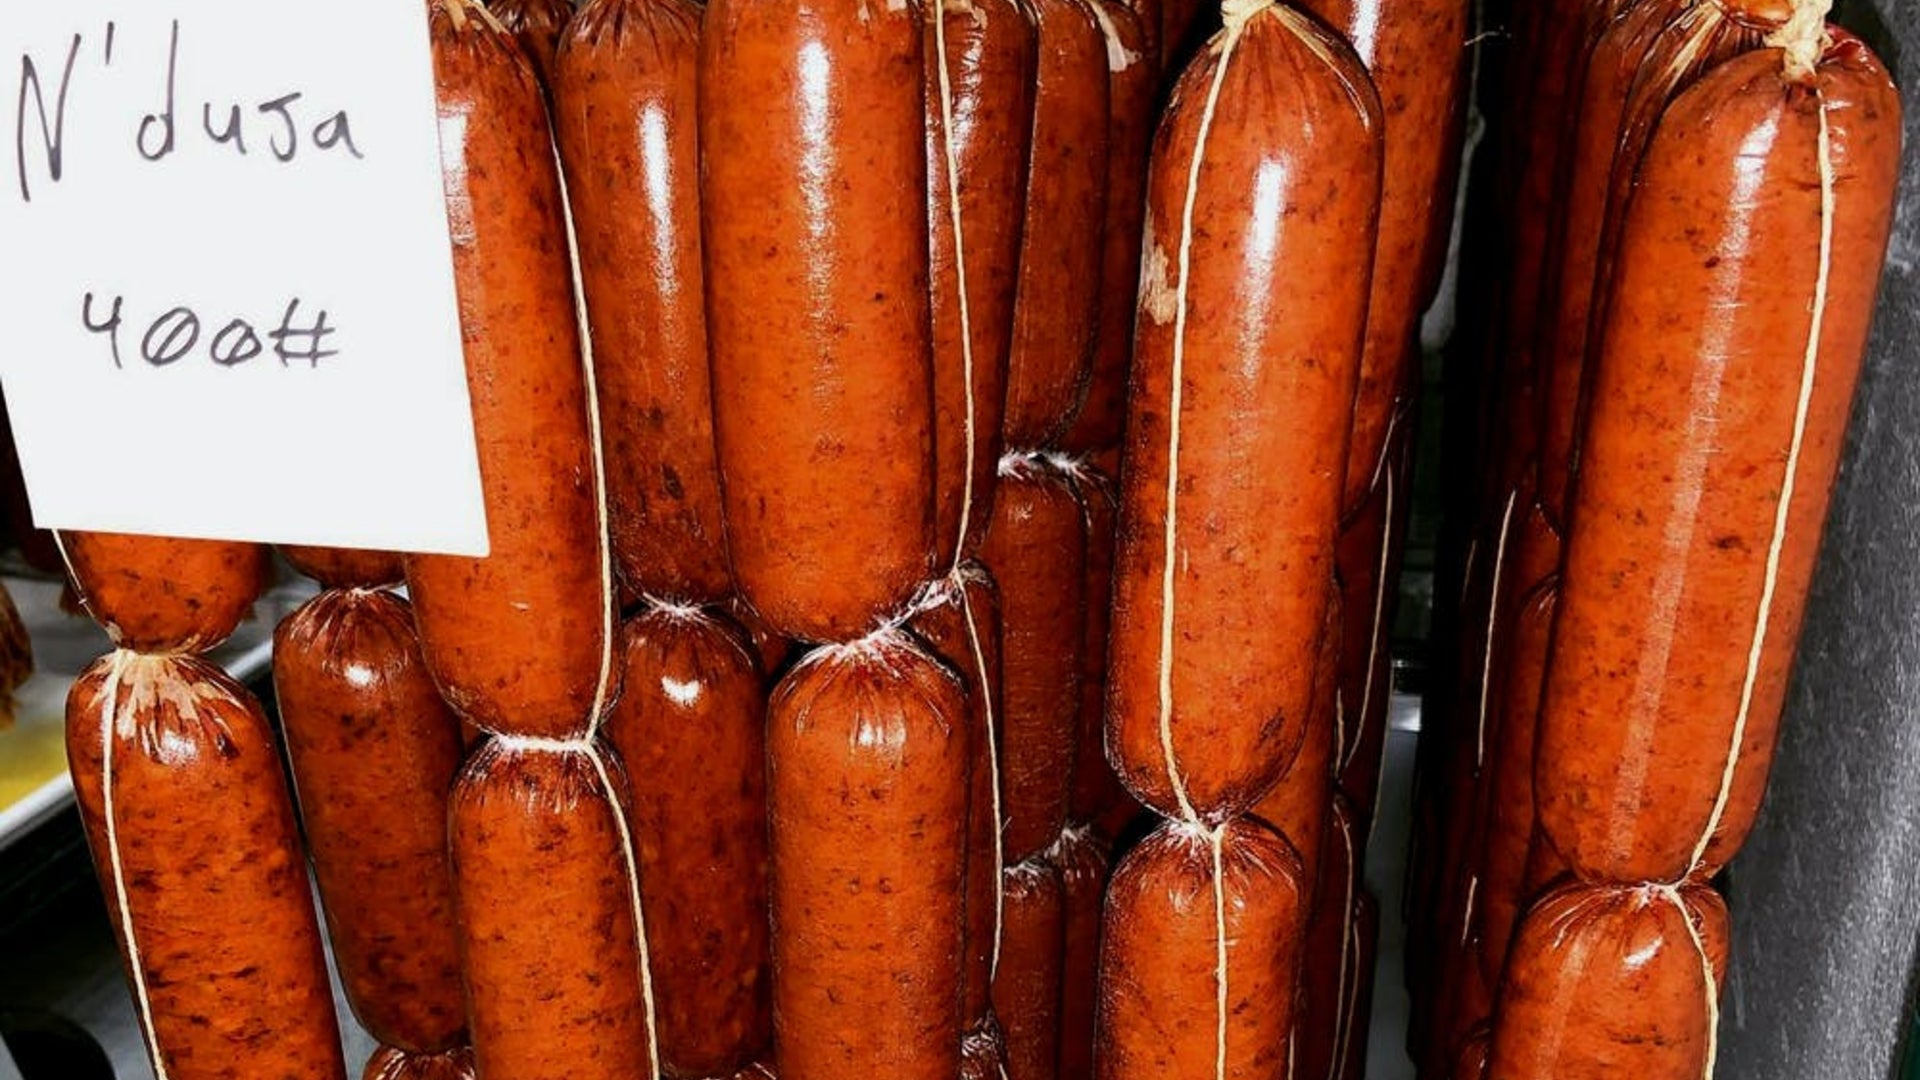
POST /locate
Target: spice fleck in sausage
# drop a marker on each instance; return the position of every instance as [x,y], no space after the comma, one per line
[195,842]
[557,988]
[814,197]
[155,594]
[1246,356]
[690,726]
[624,91]
[1746,280]
[1058,295]
[1200,954]
[374,751]
[867,796]
[516,640]
[981,65]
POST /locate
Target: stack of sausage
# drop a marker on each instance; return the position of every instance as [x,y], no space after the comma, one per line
[1716,230]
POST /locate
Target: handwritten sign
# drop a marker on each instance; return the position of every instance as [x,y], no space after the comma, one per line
[227,307]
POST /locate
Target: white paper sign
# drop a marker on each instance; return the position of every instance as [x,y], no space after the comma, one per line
[228,307]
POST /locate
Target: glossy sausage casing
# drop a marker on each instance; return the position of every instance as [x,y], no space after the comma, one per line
[1036,549]
[1716,429]
[690,726]
[869,756]
[156,594]
[1058,296]
[1160,957]
[1028,983]
[624,91]
[990,65]
[516,640]
[1246,355]
[556,987]
[186,811]
[814,196]
[374,752]
[345,568]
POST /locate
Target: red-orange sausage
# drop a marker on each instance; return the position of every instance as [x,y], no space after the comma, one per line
[1299,804]
[1097,797]
[983,1052]
[537,26]
[867,793]
[1036,549]
[1245,361]
[690,727]
[1328,964]
[556,983]
[1133,94]
[1058,295]
[814,197]
[1357,1014]
[343,568]
[1170,899]
[516,640]
[624,91]
[374,752]
[1367,556]
[390,1064]
[197,849]
[156,594]
[1082,858]
[1028,982]
[1717,423]
[976,198]
[1609,982]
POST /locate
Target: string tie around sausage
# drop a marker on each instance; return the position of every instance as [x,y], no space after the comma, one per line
[1802,38]
[673,608]
[1235,13]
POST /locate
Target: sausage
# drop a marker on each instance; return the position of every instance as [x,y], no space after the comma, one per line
[157,594]
[1133,93]
[690,727]
[818,307]
[195,843]
[624,92]
[983,1052]
[537,26]
[1328,964]
[1096,797]
[982,62]
[1299,804]
[1149,12]
[1082,860]
[1179,19]
[1471,1063]
[1245,360]
[346,568]
[1612,981]
[556,976]
[374,751]
[869,756]
[1357,1014]
[773,650]
[1057,297]
[390,1064]
[1415,51]
[959,620]
[1029,979]
[1702,494]
[1180,904]
[1368,555]
[517,640]
[1036,549]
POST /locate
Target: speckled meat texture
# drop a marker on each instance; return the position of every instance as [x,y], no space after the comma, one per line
[814,181]
[990,64]
[390,1064]
[1328,963]
[1036,549]
[1083,861]
[1160,962]
[1719,410]
[515,639]
[960,623]
[1027,985]
[374,753]
[194,839]
[1057,299]
[1612,981]
[691,728]
[1416,54]
[346,568]
[1133,93]
[868,781]
[536,26]
[1252,311]
[624,93]
[1299,804]
[158,595]
[554,977]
